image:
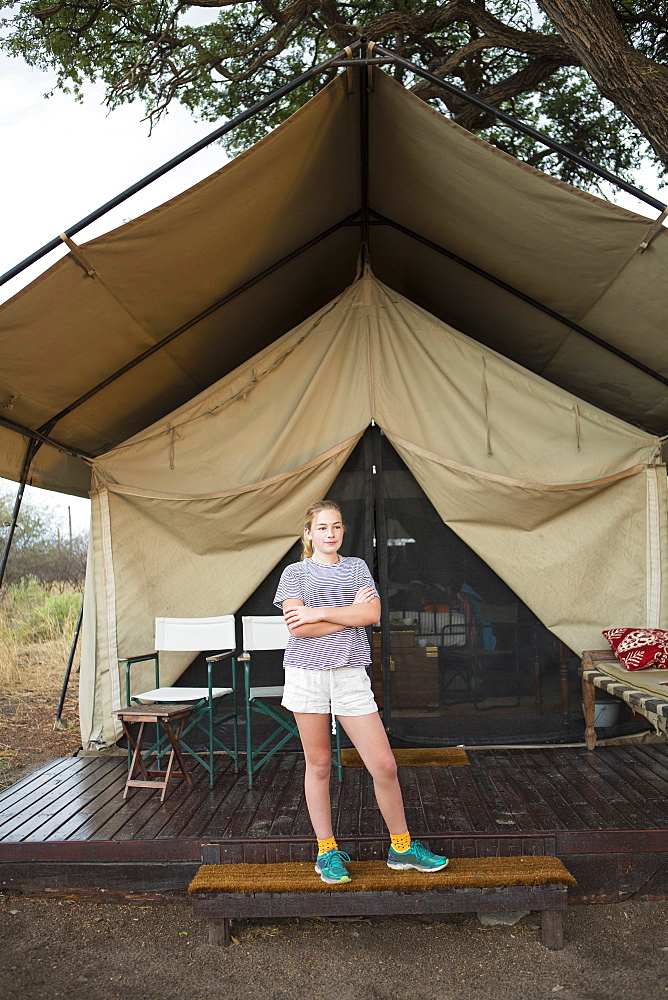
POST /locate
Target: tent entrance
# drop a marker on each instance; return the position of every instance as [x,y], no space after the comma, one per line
[458,658]
[461,657]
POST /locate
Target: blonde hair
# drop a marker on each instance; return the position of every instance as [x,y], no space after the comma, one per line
[315,508]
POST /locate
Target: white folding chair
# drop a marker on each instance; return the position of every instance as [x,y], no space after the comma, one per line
[268,632]
[194,635]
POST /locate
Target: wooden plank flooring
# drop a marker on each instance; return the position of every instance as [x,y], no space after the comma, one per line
[610,804]
[502,792]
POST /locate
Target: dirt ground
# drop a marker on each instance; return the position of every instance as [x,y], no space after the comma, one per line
[103,951]
[27,736]
[72,947]
[31,680]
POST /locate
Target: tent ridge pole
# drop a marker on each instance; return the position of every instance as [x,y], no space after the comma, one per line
[218,304]
[42,438]
[525,298]
[519,126]
[364,148]
[218,133]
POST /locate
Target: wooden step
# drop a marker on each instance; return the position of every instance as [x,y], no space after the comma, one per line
[468,885]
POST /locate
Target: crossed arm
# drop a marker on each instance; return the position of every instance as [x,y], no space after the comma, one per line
[312,623]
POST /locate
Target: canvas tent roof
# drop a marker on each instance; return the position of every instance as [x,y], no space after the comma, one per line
[282,221]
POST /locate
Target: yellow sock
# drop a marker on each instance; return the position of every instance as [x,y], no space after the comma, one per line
[401,842]
[326,845]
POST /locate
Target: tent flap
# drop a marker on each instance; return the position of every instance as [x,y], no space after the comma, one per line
[192,513]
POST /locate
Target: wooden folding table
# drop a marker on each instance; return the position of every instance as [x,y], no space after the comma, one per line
[158,715]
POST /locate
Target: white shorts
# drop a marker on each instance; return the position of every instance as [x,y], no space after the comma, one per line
[342,691]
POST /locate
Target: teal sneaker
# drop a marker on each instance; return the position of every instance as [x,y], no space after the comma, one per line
[330,867]
[417,856]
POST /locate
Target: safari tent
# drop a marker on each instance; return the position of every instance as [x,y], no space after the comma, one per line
[370,302]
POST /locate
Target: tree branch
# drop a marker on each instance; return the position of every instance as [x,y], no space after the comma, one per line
[140,49]
[636,84]
[469,117]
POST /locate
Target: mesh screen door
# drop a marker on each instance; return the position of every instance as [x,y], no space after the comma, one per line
[457,658]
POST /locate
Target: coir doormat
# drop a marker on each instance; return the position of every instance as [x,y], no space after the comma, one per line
[427,757]
[372,876]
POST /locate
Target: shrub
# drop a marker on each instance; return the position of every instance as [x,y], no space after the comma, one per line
[38,548]
[31,611]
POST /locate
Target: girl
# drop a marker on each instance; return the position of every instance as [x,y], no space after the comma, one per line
[327,601]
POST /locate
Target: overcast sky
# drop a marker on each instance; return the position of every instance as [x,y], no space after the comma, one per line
[62,160]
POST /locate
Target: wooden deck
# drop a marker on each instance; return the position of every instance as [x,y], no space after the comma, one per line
[605,814]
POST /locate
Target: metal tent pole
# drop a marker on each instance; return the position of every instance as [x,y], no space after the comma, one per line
[30,454]
[519,126]
[363,77]
[552,313]
[58,722]
[42,438]
[218,133]
[381,550]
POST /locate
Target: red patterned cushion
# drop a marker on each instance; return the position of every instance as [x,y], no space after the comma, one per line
[638,648]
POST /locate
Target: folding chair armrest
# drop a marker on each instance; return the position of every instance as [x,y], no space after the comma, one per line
[129,661]
[211,660]
[220,656]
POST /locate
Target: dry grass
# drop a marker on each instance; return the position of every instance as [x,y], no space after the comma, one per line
[36,630]
[10,675]
[36,627]
[35,669]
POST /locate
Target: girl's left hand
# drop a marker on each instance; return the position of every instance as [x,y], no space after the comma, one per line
[295,617]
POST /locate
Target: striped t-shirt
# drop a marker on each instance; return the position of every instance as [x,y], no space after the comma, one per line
[321,586]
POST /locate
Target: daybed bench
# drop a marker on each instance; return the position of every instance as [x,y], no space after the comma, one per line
[646,691]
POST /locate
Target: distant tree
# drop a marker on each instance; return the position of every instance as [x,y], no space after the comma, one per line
[592,73]
[39,548]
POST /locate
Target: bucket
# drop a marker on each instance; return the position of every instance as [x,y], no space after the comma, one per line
[606,714]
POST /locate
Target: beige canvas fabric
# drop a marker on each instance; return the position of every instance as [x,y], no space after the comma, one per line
[553,545]
[304,394]
[191,514]
[179,557]
[93,312]
[572,252]
[177,270]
